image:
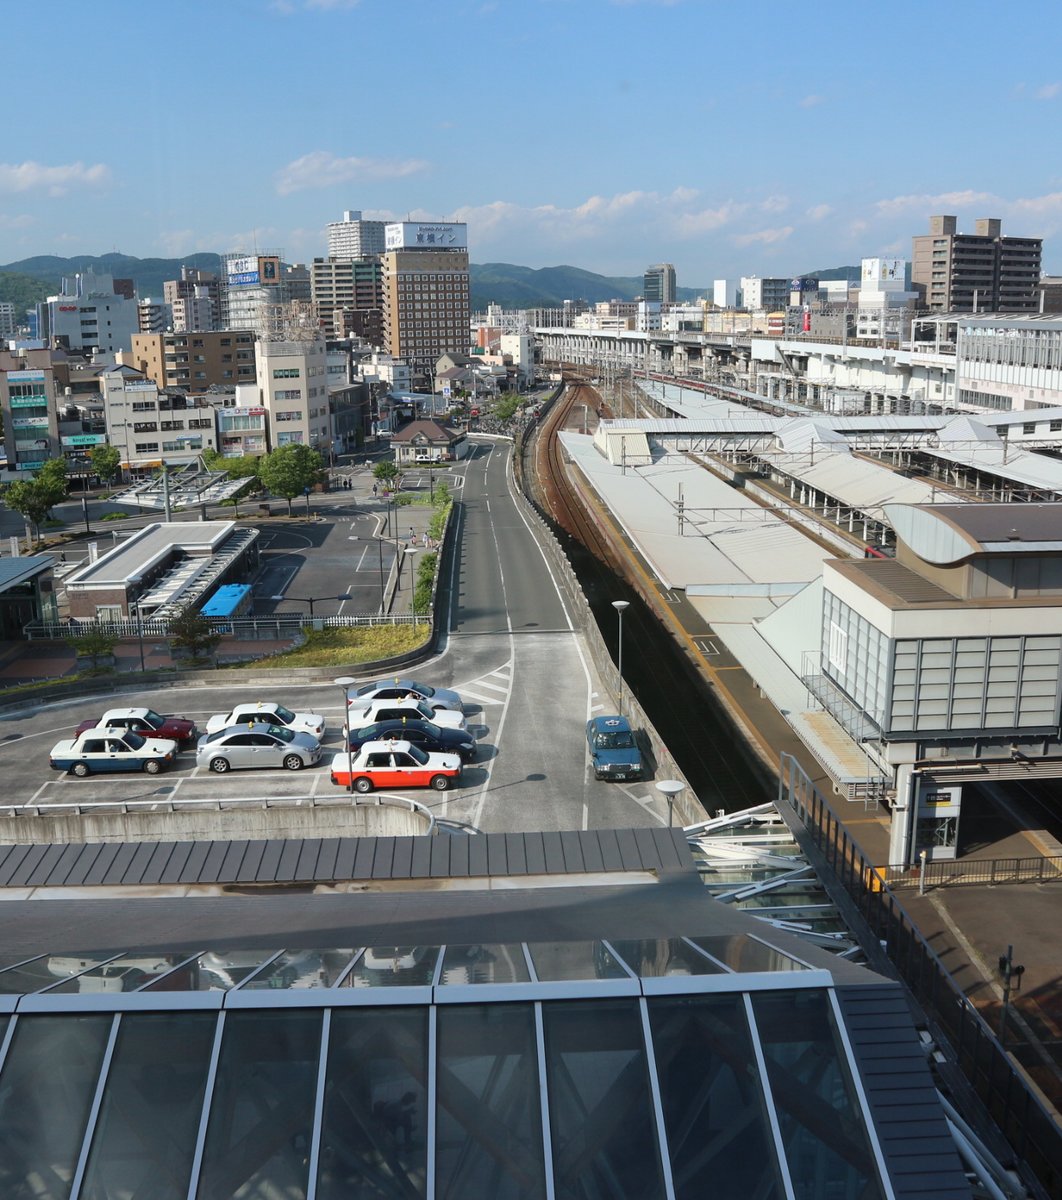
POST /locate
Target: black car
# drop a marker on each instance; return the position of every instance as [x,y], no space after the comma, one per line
[425,734]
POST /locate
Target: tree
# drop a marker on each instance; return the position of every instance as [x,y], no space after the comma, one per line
[94,644]
[290,470]
[106,462]
[51,478]
[385,472]
[507,406]
[28,497]
[192,633]
[243,467]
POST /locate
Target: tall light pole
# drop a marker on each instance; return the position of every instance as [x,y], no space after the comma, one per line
[621,607]
[345,681]
[140,632]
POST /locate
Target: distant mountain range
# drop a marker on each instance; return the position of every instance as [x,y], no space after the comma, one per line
[25,282]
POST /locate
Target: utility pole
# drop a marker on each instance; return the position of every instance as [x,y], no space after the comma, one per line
[1011,975]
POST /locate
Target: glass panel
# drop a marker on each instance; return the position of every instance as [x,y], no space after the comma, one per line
[43,972]
[149,1117]
[261,1117]
[214,971]
[489,1130]
[822,1130]
[373,1129]
[664,956]
[574,960]
[601,1114]
[46,1092]
[122,975]
[302,969]
[742,953]
[714,1110]
[484,964]
[394,966]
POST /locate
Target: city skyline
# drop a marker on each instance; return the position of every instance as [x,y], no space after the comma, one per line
[605,134]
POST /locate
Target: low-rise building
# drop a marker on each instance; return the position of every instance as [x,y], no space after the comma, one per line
[148,426]
[194,361]
[428,441]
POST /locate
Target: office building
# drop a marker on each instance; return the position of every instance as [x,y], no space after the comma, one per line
[31,388]
[252,284]
[7,320]
[194,361]
[724,293]
[194,300]
[354,238]
[979,272]
[88,315]
[293,387]
[426,292]
[763,294]
[148,426]
[658,284]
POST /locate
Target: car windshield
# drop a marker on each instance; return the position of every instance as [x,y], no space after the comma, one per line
[434,730]
[278,731]
[154,720]
[424,688]
[368,689]
[284,714]
[424,709]
[419,754]
[133,740]
[217,735]
[613,741]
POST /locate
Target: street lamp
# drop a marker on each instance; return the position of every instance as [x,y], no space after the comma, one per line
[670,789]
[140,632]
[621,607]
[345,681]
[311,600]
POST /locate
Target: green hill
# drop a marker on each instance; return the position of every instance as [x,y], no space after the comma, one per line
[514,286]
[147,274]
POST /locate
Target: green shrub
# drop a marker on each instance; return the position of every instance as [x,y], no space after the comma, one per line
[115,516]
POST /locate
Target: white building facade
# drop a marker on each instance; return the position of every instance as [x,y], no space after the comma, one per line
[354,237]
[293,389]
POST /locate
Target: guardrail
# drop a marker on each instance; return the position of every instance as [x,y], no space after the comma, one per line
[83,808]
[1015,1107]
[241,627]
[949,873]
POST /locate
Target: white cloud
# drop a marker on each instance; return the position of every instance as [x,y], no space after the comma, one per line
[819,211]
[763,237]
[774,204]
[55,181]
[321,169]
[940,203]
[812,101]
[288,8]
[1049,91]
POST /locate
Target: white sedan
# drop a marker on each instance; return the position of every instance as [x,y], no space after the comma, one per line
[269,713]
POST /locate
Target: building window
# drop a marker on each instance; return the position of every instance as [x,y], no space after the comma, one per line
[285,372]
[838,651]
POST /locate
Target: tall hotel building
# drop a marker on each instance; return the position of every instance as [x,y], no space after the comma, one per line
[979,272]
[426,291]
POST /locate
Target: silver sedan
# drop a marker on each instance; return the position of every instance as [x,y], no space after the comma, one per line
[256,745]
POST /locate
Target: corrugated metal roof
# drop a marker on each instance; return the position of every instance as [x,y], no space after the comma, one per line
[917,1146]
[18,570]
[344,860]
[1018,466]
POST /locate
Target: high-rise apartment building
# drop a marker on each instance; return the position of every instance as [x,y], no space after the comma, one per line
[194,361]
[768,294]
[354,238]
[348,294]
[426,291]
[194,300]
[981,271]
[658,284]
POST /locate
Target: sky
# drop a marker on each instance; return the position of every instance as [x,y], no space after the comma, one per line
[729,139]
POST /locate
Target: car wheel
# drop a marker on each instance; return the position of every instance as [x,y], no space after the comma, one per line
[152,766]
[219,765]
[440,782]
[363,785]
[80,770]
[293,762]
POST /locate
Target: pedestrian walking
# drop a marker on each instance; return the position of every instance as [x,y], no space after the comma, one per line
[412,536]
[374,489]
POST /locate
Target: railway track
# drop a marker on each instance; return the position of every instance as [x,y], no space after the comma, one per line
[666,684]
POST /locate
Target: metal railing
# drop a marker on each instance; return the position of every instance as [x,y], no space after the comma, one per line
[1017,1110]
[948,873]
[240,627]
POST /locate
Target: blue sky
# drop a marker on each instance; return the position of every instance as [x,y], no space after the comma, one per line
[729,139]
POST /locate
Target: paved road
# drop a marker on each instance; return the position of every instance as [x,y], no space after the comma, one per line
[509,649]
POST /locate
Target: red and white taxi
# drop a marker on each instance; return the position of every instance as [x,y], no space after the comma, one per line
[395,764]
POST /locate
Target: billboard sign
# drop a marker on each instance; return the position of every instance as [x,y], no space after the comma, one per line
[804,284]
[25,377]
[254,270]
[85,439]
[29,422]
[419,235]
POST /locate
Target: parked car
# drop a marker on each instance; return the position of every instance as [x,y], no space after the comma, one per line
[613,750]
[146,722]
[269,713]
[256,745]
[425,734]
[395,710]
[112,750]
[396,764]
[406,689]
